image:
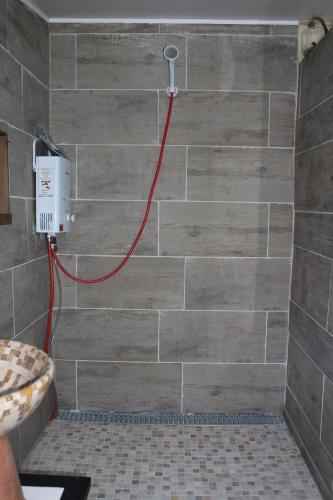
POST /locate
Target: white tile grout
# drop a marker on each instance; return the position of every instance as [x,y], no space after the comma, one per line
[268,228]
[322,407]
[158,335]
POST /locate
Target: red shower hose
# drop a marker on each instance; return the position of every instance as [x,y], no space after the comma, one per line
[52,254]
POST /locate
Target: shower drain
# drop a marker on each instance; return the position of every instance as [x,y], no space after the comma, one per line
[171,418]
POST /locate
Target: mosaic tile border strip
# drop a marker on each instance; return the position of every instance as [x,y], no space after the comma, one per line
[172,418]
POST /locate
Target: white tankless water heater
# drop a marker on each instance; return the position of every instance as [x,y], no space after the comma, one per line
[53,183]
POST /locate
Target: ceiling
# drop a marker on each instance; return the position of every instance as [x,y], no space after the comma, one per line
[190,10]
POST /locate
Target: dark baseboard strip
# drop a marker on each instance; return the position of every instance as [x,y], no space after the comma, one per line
[172,418]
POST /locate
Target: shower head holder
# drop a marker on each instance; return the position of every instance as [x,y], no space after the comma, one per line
[171,53]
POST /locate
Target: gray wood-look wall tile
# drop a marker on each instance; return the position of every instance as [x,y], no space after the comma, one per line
[314,232]
[14,440]
[242,63]
[282,120]
[70,152]
[31,292]
[28,39]
[104,116]
[240,284]
[14,237]
[66,384]
[222,29]
[22,177]
[6,305]
[3,22]
[240,174]
[62,62]
[145,283]
[118,335]
[306,382]
[326,431]
[277,337]
[126,172]
[310,283]
[134,387]
[213,229]
[285,30]
[314,180]
[68,286]
[280,230]
[10,90]
[104,28]
[34,334]
[217,118]
[127,61]
[109,227]
[35,105]
[233,387]
[209,336]
[315,127]
[313,339]
[311,443]
[317,75]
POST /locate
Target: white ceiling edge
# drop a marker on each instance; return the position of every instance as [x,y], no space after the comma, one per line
[36,9]
[85,20]
[178,20]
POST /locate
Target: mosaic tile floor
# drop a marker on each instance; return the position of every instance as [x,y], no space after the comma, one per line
[176,462]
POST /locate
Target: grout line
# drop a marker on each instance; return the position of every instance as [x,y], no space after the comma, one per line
[31,324]
[162,89]
[269,120]
[314,212]
[177,257]
[76,283]
[13,308]
[309,316]
[221,202]
[76,172]
[322,407]
[216,363]
[23,264]
[268,226]
[265,359]
[315,107]
[313,253]
[158,118]
[236,311]
[186,61]
[305,416]
[154,145]
[158,335]
[312,148]
[329,296]
[75,60]
[184,303]
[76,387]
[158,228]
[182,390]
[186,172]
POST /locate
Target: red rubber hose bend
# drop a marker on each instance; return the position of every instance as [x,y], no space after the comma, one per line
[145,218]
[51,304]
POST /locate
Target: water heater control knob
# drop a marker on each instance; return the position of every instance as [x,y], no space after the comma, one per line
[67,217]
[73,218]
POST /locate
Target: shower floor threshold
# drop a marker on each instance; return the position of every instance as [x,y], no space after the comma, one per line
[154,418]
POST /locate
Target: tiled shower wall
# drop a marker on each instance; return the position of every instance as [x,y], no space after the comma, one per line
[309,403]
[197,321]
[23,265]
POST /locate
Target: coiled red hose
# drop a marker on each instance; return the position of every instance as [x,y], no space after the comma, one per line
[144,221]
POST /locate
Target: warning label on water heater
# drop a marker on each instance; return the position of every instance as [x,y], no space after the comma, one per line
[46,182]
